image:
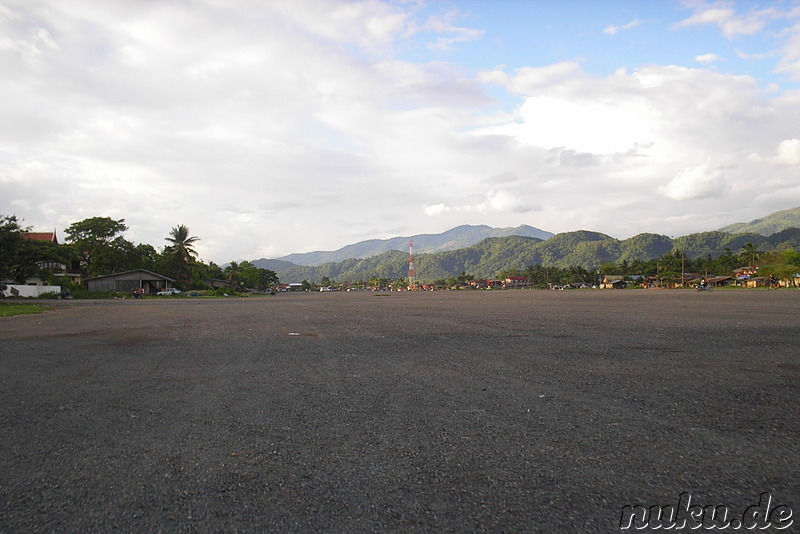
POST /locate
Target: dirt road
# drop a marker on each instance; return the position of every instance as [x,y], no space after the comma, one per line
[527,411]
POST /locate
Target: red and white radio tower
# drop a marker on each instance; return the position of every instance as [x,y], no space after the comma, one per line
[412,274]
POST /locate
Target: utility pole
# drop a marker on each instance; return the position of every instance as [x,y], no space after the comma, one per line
[412,273]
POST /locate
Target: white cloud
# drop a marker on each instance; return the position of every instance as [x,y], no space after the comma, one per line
[695,182]
[448,33]
[707,59]
[365,23]
[790,62]
[786,155]
[436,209]
[613,30]
[531,80]
[729,21]
[620,135]
[504,201]
[279,129]
[789,152]
[494,201]
[663,108]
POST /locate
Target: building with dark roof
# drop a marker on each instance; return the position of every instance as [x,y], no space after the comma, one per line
[128,282]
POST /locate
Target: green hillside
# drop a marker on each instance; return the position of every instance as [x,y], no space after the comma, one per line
[645,246]
[769,225]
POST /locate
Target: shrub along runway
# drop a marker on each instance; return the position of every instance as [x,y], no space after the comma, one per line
[506,411]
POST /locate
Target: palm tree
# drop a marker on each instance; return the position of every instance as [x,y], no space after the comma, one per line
[232,274]
[182,249]
[750,252]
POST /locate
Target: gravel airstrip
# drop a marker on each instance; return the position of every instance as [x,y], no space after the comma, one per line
[474,411]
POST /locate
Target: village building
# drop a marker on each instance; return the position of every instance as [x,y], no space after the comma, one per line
[59,270]
[720,281]
[515,282]
[485,284]
[215,283]
[130,281]
[613,282]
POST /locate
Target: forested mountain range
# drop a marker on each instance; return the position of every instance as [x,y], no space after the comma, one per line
[589,250]
[455,238]
[484,251]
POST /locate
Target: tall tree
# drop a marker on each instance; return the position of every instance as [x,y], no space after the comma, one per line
[99,243]
[233,274]
[22,258]
[182,250]
[10,243]
[750,253]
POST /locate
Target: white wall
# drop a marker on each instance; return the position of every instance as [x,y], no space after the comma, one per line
[30,291]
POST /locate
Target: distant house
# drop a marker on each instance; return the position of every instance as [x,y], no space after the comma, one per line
[216,283]
[759,281]
[720,281]
[41,236]
[613,282]
[130,281]
[652,282]
[485,283]
[61,270]
[516,282]
[745,272]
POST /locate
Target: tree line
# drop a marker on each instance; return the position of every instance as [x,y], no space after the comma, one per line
[96,246]
[669,267]
[572,258]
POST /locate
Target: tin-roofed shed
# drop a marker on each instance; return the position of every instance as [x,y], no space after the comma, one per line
[130,281]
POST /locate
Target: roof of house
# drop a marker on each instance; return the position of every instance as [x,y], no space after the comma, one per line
[156,275]
[41,236]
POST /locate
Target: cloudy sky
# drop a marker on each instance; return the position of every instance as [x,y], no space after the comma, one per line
[277,126]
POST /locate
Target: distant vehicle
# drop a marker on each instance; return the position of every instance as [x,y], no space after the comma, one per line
[169,292]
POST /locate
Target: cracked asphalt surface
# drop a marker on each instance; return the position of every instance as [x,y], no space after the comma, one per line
[515,411]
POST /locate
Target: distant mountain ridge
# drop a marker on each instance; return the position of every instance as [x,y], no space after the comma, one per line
[455,238]
[766,226]
[584,249]
[483,251]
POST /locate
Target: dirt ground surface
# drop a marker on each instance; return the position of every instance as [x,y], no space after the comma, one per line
[505,411]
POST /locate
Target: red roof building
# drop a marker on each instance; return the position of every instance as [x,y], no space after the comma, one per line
[41,236]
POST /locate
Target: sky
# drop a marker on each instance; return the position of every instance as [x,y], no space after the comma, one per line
[272,127]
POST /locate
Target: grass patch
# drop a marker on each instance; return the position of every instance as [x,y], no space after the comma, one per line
[7,309]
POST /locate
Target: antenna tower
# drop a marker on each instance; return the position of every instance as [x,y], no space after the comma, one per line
[412,273]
